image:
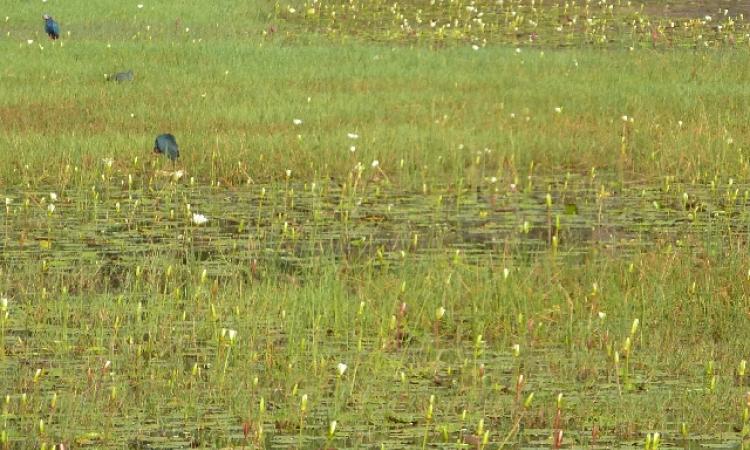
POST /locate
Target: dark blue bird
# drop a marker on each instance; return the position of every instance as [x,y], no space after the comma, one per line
[167,145]
[121,77]
[51,27]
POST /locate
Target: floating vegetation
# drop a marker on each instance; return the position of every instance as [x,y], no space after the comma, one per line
[523,23]
[566,218]
[125,298]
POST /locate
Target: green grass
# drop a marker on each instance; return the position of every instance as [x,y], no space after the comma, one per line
[112,335]
[229,101]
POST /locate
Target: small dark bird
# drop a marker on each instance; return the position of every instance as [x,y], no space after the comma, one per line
[51,27]
[121,76]
[167,145]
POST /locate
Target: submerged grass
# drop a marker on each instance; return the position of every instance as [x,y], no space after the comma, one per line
[379,241]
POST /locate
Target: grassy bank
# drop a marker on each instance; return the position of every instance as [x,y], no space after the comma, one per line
[422,114]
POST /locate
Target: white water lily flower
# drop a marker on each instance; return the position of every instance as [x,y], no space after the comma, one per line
[352,135]
[375,164]
[297,121]
[199,219]
[140,5]
[51,208]
[341,368]
[53,196]
[332,428]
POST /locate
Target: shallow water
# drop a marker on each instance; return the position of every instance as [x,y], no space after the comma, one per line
[699,9]
[292,226]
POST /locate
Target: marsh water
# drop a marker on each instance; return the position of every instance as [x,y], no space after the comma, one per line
[293,224]
[696,8]
[107,230]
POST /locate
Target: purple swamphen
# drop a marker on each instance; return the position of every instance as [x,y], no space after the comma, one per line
[51,27]
[166,144]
